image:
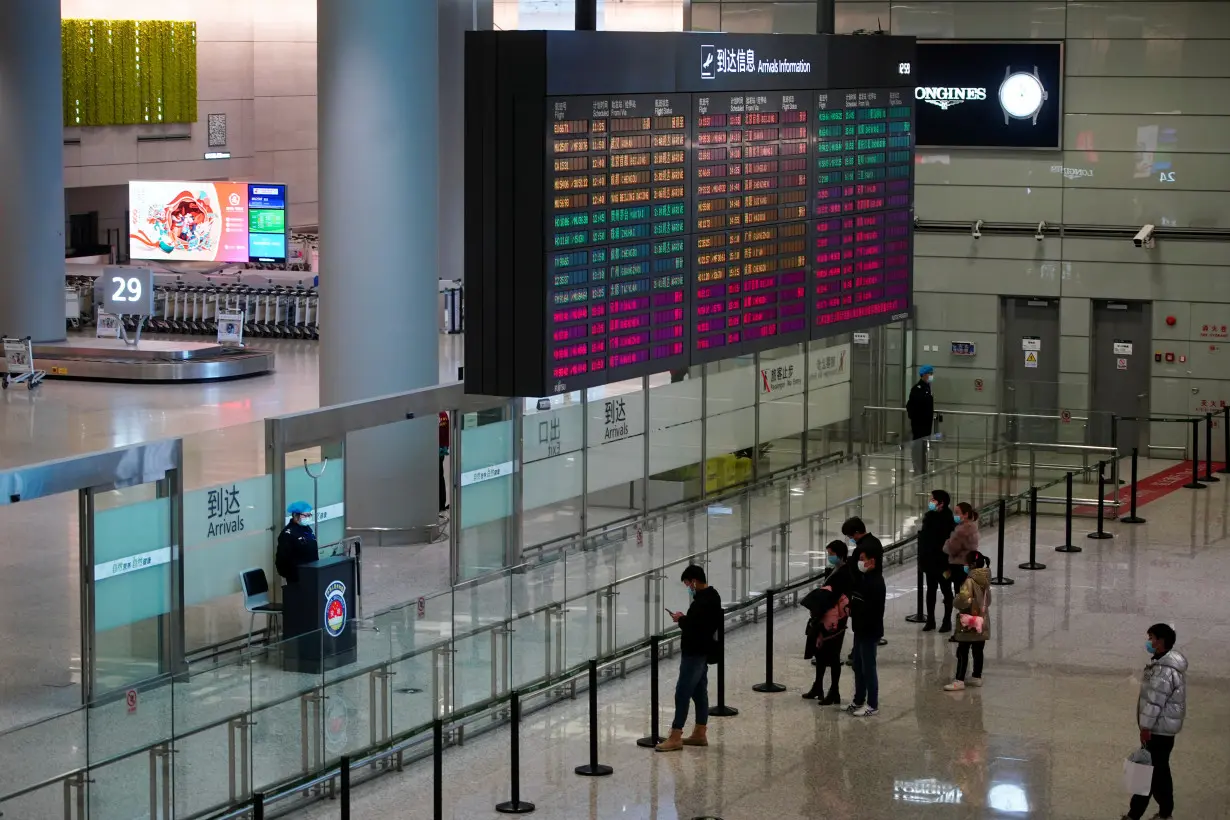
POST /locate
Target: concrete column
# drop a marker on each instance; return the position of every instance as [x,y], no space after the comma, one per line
[378,77]
[31,171]
[456,18]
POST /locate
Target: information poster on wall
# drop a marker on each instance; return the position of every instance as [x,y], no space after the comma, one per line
[177,221]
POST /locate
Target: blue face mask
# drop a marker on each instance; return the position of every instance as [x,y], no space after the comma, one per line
[691,593]
[852,542]
[966,568]
[833,560]
[931,506]
[1149,648]
[956,519]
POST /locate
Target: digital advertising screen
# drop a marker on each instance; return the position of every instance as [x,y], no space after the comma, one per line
[230,222]
[645,203]
[989,94]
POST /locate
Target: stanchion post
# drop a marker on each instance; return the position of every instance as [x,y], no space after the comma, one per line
[593,768]
[768,687]
[258,806]
[1001,523]
[654,738]
[1195,484]
[1101,531]
[1032,563]
[1225,445]
[343,770]
[1208,449]
[722,709]
[1133,518]
[1067,545]
[437,765]
[516,805]
[919,616]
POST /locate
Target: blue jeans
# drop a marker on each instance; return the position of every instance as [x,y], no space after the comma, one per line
[866,679]
[693,685]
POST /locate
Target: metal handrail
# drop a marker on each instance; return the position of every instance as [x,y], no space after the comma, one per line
[983,413]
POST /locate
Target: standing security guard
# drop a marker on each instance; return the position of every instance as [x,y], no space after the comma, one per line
[296,543]
[921,411]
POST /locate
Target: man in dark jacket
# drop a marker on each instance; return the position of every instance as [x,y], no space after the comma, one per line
[920,407]
[698,647]
[867,621]
[296,543]
[937,525]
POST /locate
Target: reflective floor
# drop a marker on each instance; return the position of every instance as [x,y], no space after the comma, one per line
[1045,737]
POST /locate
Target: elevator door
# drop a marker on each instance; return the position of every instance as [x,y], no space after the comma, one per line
[1030,387]
[1121,362]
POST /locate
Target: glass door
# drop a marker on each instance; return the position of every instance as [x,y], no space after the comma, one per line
[132,587]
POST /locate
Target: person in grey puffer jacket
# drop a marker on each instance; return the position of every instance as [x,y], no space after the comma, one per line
[1160,710]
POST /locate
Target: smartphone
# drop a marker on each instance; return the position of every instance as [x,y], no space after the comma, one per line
[668,612]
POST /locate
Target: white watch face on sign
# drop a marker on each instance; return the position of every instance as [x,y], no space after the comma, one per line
[1022,95]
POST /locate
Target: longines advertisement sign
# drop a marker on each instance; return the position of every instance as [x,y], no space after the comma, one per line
[988,94]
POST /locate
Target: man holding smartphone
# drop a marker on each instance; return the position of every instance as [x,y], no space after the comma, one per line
[698,647]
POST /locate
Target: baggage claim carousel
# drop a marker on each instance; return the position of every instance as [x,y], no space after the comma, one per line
[150,360]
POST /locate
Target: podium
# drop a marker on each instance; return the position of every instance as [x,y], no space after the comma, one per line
[317,617]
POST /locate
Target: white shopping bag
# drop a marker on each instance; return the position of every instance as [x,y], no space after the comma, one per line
[1138,772]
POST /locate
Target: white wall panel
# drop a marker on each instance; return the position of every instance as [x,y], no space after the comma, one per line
[969,167]
[1146,58]
[1184,209]
[975,19]
[1147,171]
[1202,96]
[993,204]
[1157,20]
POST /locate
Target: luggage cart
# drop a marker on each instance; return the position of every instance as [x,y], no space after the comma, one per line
[19,364]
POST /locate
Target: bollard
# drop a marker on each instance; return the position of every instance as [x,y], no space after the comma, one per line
[1000,580]
[1032,563]
[768,687]
[722,710]
[437,765]
[516,805]
[593,768]
[1225,445]
[258,806]
[654,737]
[1208,449]
[343,768]
[920,615]
[1101,531]
[1195,485]
[1068,546]
[1133,518]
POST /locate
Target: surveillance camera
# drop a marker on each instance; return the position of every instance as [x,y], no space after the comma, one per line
[1144,239]
[977,232]
[1041,232]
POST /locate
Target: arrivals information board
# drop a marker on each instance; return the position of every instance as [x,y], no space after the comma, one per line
[640,203]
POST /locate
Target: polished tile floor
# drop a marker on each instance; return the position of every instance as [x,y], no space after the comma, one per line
[1044,738]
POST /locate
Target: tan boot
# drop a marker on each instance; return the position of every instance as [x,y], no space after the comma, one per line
[699,737]
[673,743]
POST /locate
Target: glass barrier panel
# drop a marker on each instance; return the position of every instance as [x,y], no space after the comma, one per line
[551,445]
[417,696]
[45,802]
[135,578]
[348,715]
[122,729]
[232,452]
[580,616]
[485,440]
[42,655]
[780,388]
[730,424]
[676,473]
[228,529]
[288,711]
[476,667]
[60,743]
[615,452]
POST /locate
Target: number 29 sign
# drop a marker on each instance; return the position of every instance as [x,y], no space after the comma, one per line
[127,291]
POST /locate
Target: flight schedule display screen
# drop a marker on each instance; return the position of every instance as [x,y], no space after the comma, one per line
[644,203]
[749,187]
[863,208]
[617,250]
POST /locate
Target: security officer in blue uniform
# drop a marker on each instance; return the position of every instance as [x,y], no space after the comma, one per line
[296,543]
